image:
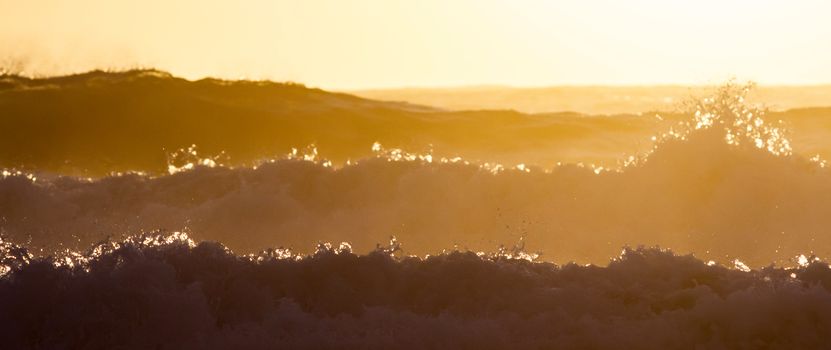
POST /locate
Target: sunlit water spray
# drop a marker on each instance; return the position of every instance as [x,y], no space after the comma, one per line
[334,297]
[724,184]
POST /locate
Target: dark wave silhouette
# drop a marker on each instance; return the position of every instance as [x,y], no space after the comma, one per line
[168,293]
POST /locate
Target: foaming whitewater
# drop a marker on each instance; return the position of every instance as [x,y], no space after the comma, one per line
[166,292]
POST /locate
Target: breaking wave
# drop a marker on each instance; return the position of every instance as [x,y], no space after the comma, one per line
[167,292]
[724,184]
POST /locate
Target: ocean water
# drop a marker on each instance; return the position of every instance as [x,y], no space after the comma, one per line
[112,239]
[168,292]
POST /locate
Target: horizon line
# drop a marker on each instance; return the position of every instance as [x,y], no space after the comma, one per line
[472,86]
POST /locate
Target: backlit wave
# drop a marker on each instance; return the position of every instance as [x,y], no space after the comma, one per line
[158,291]
[724,185]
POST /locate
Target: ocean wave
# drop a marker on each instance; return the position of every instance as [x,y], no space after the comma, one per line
[97,123]
[166,292]
[723,185]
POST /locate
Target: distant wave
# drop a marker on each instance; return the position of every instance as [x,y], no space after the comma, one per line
[591,99]
[166,292]
[96,123]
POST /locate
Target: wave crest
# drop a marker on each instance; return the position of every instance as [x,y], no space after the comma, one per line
[168,293]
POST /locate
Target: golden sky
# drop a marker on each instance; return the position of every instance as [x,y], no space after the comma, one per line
[350,44]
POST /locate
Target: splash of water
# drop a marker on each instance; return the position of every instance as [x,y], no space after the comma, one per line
[742,123]
[185,159]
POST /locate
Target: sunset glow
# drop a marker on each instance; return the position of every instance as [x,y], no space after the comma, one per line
[380,43]
[415,174]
